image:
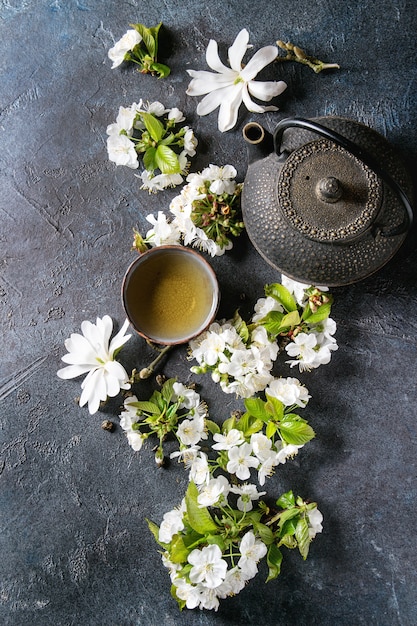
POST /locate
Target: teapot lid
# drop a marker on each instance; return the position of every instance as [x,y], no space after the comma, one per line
[327,210]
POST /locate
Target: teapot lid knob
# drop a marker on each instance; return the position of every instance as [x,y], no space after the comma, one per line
[329,189]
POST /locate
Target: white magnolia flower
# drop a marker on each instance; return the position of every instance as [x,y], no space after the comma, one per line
[289,391]
[241,460]
[121,150]
[92,353]
[125,44]
[208,567]
[252,551]
[315,519]
[228,87]
[247,493]
[214,492]
[232,438]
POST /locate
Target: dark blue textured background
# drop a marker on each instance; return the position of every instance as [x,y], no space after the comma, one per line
[75,547]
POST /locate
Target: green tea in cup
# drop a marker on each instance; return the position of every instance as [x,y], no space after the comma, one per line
[170,294]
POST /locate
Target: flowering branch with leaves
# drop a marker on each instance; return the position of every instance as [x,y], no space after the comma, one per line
[206,214]
[140,46]
[157,135]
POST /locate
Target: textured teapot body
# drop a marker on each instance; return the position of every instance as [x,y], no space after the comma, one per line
[317,212]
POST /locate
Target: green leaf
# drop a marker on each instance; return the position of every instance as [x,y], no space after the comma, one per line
[162,70]
[265,533]
[157,399]
[321,314]
[274,407]
[167,160]
[199,517]
[286,501]
[274,559]
[166,141]
[290,320]
[146,406]
[217,540]
[154,127]
[271,429]
[155,34]
[178,552]
[147,36]
[149,159]
[155,531]
[256,407]
[286,515]
[296,432]
[249,424]
[212,427]
[228,424]
[272,322]
[303,537]
[281,293]
[167,389]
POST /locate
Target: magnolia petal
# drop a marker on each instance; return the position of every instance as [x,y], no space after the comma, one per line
[266,90]
[112,385]
[237,50]
[105,328]
[204,82]
[229,108]
[77,343]
[260,59]
[253,107]
[213,59]
[120,339]
[94,390]
[72,371]
[211,101]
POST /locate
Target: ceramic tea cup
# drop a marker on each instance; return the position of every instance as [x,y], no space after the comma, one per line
[170,294]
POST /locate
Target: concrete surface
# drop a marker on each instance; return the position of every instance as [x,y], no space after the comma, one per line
[75,546]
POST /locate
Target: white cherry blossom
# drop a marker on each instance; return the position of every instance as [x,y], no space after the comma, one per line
[289,391]
[241,460]
[252,551]
[129,40]
[208,567]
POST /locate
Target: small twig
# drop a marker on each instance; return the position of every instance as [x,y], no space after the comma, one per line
[294,53]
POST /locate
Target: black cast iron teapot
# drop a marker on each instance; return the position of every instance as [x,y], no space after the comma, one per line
[325,201]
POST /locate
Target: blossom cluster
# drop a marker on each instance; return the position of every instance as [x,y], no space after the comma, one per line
[156,133]
[174,409]
[230,543]
[205,214]
[139,45]
[212,543]
[240,356]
